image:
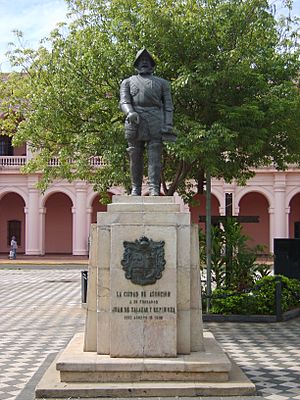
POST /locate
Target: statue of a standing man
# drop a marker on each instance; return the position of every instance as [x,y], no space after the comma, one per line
[146,101]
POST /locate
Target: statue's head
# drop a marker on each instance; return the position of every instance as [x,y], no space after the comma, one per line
[144,62]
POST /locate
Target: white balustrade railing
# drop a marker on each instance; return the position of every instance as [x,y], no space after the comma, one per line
[95,161]
[15,162]
[12,162]
[54,162]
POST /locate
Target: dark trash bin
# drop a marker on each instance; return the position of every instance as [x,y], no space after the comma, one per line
[84,283]
[287,257]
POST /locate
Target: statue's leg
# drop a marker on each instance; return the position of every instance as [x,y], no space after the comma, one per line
[136,151]
[154,166]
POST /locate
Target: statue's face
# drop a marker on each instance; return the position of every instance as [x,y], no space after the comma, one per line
[144,65]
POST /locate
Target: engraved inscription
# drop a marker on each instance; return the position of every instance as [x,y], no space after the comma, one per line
[144,304]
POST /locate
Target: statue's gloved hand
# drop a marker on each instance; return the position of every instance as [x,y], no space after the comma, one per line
[168,134]
[133,118]
[167,128]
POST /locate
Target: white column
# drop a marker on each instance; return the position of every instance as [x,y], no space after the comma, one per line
[236,205]
[80,233]
[42,212]
[32,223]
[74,236]
[271,224]
[280,220]
[221,210]
[26,228]
[28,152]
[89,212]
[287,215]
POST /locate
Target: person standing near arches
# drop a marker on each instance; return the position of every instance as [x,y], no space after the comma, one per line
[13,248]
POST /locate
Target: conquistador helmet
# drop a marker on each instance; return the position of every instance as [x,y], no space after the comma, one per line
[142,52]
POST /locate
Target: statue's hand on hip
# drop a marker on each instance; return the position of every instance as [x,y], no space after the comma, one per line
[133,118]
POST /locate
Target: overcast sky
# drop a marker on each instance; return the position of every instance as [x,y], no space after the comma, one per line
[36,18]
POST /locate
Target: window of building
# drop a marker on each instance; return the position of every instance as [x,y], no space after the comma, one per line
[14,229]
[6,148]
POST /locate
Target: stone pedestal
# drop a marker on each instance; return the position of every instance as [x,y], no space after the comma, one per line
[148,320]
[144,334]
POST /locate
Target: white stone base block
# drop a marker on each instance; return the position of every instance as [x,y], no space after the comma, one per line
[128,318]
[75,373]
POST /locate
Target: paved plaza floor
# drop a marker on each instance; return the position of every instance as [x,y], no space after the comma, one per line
[40,310]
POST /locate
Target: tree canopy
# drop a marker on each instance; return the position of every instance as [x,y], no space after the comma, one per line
[234,72]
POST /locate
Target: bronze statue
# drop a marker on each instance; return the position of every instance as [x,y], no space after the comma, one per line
[146,101]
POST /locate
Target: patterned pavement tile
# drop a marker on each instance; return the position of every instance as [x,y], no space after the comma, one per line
[40,310]
[269,354]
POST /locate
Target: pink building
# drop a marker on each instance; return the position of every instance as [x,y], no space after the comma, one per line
[273,196]
[58,221]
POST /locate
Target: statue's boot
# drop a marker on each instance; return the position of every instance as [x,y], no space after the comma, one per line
[154,167]
[136,169]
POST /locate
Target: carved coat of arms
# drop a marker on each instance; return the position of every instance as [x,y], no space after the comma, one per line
[143,260]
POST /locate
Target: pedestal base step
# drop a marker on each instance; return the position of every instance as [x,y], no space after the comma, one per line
[218,375]
[50,387]
[211,365]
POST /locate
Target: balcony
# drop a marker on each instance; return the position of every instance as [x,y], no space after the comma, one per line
[12,162]
[15,162]
[95,161]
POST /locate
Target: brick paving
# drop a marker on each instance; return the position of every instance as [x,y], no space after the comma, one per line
[40,310]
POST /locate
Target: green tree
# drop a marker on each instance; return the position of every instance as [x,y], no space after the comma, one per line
[234,74]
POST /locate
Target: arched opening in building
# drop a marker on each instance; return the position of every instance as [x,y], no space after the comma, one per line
[12,222]
[294,217]
[97,206]
[198,208]
[58,224]
[256,204]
